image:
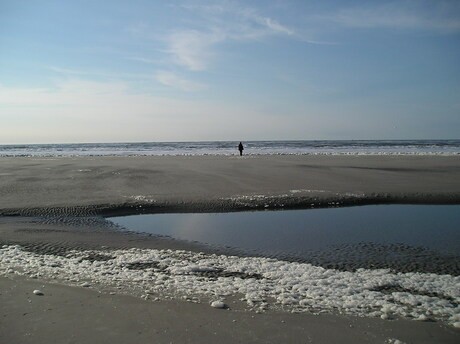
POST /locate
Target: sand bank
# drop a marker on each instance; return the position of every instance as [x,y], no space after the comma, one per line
[128,185]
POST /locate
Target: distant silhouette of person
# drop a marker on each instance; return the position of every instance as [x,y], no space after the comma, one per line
[241,148]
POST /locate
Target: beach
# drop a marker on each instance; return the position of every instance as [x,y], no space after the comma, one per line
[55,238]
[116,185]
[79,315]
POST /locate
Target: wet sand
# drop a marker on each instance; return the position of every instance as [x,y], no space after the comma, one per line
[51,195]
[129,185]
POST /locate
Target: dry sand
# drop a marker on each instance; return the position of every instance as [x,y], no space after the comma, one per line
[112,185]
[78,315]
[60,188]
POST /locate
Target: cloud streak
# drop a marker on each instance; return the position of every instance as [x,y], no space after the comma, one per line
[275,26]
[436,16]
[173,80]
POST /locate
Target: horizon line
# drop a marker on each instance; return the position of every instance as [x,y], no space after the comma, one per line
[206,141]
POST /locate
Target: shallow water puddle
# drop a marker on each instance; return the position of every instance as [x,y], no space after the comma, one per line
[298,233]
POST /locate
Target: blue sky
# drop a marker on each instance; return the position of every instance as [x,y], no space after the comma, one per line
[111,71]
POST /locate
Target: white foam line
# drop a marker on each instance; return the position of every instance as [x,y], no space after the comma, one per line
[231,154]
[263,283]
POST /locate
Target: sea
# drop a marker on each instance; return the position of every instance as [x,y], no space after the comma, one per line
[298,147]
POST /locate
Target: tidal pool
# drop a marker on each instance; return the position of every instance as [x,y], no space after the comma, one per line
[393,231]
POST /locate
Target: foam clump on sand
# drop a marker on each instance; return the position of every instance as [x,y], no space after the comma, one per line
[217,304]
[395,341]
[265,283]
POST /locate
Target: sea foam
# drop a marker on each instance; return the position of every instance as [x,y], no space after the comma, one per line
[262,283]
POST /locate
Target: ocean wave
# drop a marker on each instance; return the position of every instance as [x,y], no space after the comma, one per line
[368,147]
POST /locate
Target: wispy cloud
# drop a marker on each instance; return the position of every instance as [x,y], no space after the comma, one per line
[437,16]
[66,71]
[193,48]
[275,26]
[173,80]
[260,24]
[163,77]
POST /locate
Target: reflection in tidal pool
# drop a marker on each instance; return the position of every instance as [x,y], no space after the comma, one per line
[298,232]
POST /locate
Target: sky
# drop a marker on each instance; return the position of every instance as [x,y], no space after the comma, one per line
[148,70]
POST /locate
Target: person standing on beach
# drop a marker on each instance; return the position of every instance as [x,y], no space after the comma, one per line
[241,148]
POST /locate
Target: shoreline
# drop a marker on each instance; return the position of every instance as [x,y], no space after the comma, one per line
[230,154]
[223,147]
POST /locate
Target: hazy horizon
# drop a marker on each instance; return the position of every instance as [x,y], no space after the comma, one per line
[236,141]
